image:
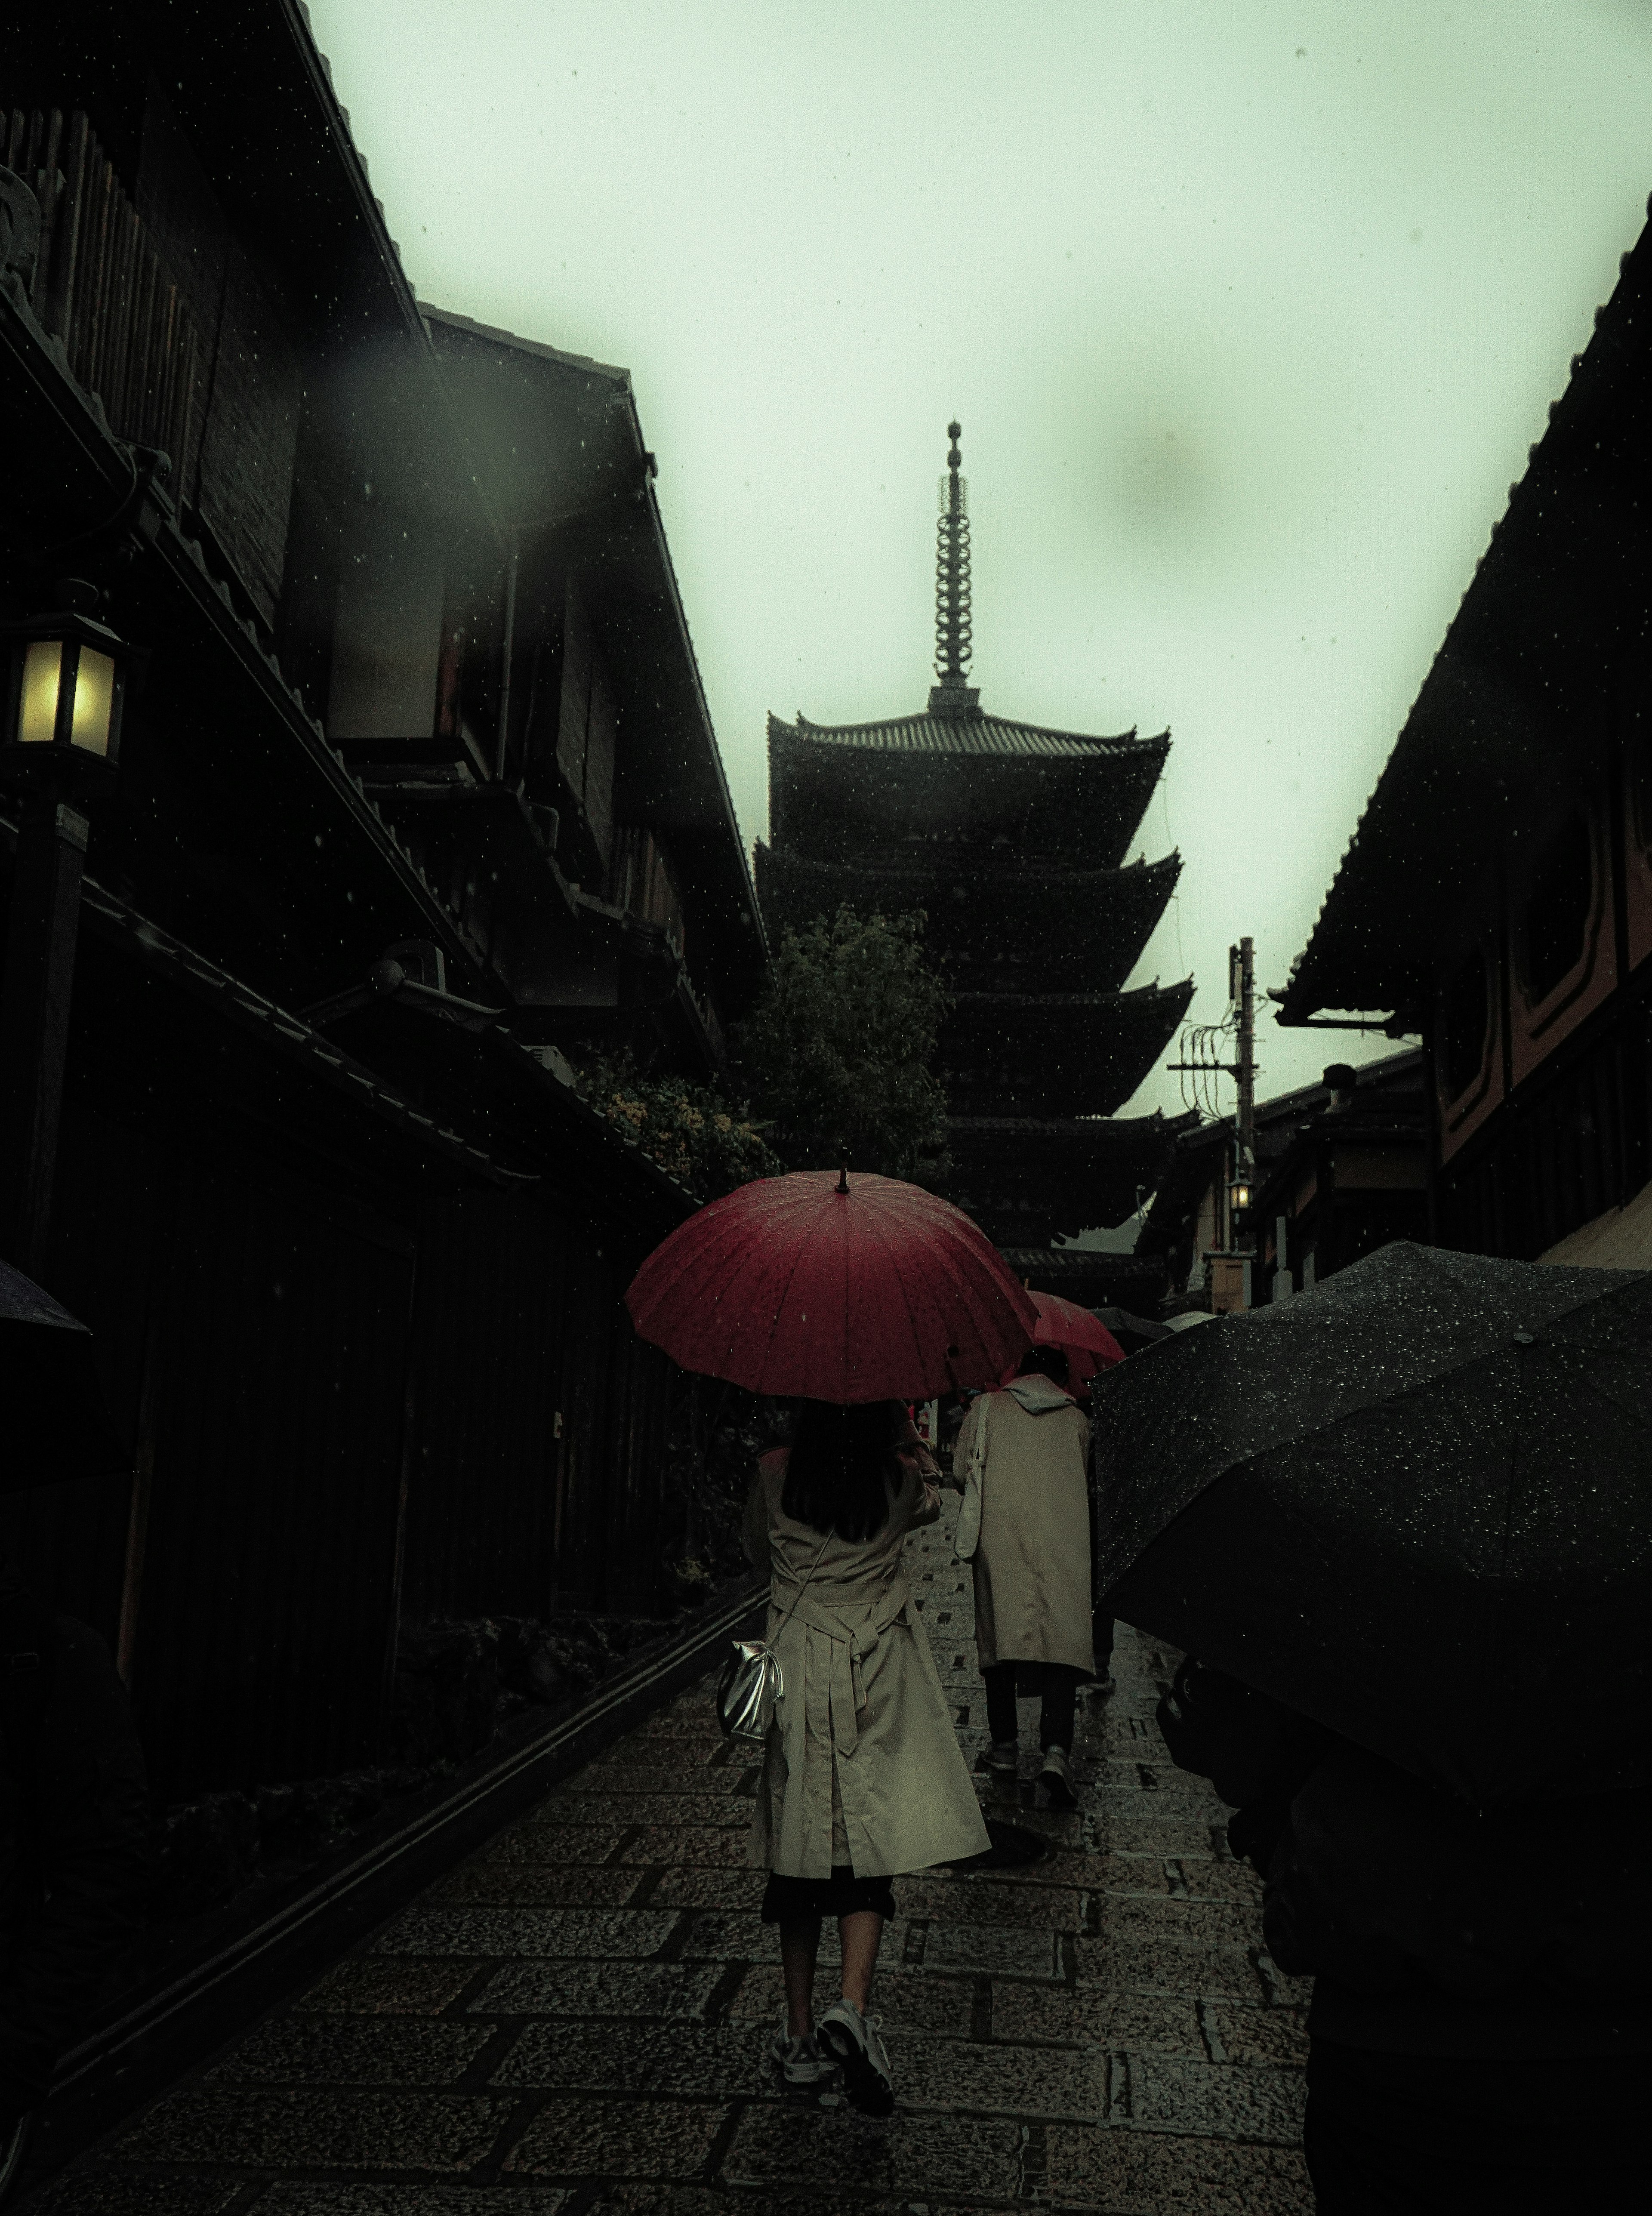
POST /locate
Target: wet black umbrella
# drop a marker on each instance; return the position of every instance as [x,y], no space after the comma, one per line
[1415,1504]
[1132,1331]
[51,1420]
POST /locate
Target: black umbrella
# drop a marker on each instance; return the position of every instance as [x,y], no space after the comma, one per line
[1132,1331]
[1416,1505]
[51,1420]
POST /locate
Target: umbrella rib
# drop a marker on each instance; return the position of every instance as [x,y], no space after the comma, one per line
[889,1279]
[759,1237]
[874,1233]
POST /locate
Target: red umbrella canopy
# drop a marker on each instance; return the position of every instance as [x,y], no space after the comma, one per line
[1087,1342]
[832,1288]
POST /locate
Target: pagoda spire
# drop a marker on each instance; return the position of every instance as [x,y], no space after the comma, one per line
[953,696]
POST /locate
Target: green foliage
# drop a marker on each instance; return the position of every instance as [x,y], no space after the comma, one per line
[687,1128]
[838,1053]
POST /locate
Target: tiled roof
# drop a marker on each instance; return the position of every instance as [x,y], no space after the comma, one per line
[1091,1130]
[1140,999]
[967,734]
[582,362]
[285,1034]
[1080,1261]
[340,1072]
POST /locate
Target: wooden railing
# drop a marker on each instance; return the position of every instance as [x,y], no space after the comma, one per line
[99,285]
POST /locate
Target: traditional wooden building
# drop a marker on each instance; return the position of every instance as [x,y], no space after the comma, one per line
[419,796]
[1012,841]
[1497,894]
[1341,1168]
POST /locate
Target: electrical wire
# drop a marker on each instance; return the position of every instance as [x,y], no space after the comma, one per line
[1207,1056]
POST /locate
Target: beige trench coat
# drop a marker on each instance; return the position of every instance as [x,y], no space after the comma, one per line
[1031,1559]
[862,1766]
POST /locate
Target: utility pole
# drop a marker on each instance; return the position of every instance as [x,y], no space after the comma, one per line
[1232,1258]
[1241,990]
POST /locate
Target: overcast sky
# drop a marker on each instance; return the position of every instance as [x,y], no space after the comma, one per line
[1251,312]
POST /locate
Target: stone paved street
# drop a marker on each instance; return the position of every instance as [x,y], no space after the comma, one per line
[576,2019]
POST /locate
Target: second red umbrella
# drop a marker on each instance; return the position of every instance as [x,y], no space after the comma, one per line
[1082,1337]
[832,1288]
[1086,1341]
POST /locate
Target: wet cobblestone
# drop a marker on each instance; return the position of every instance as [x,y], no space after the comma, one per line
[578,2018]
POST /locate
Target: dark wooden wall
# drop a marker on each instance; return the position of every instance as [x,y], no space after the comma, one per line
[270,1552]
[282,1362]
[109,1229]
[254,1347]
[486,1462]
[1573,1141]
[539,1418]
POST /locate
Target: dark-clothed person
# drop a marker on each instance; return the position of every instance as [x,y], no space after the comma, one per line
[1478,2038]
[73,1824]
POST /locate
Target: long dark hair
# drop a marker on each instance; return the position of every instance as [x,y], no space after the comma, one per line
[842,1468]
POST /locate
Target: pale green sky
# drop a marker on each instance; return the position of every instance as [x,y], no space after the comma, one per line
[1250,311]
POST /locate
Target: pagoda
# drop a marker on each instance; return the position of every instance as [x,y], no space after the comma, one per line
[1011,838]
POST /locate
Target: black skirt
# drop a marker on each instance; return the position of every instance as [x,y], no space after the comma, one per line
[791,1899]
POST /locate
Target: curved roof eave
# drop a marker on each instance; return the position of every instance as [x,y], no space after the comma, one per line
[982,735]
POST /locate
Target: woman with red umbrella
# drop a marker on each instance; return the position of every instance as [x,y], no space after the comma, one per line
[862,1776]
[847,1301]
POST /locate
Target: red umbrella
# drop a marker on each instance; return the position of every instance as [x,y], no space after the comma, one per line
[1087,1342]
[832,1288]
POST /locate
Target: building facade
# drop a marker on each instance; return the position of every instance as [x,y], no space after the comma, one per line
[1496,896]
[1011,839]
[419,797]
[1341,1168]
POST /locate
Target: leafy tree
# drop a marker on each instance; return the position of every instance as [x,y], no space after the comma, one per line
[687,1128]
[838,1052]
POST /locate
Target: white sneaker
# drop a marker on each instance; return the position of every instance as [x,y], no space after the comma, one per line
[802,2065]
[1051,1788]
[853,2038]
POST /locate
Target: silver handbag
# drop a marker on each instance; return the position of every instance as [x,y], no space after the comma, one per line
[752,1680]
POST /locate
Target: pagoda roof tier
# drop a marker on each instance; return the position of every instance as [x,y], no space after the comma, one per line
[967,733]
[835,792]
[1027,1179]
[1056,1053]
[1001,923]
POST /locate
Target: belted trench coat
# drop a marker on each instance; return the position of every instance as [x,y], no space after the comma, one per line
[862,1767]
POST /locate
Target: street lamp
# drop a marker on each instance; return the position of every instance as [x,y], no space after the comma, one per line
[1239,1195]
[65,697]
[65,676]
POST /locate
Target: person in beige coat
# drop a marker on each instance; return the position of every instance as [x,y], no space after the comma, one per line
[862,1777]
[1020,1461]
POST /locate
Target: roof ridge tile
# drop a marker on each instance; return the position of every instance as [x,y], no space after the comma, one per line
[980,733]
